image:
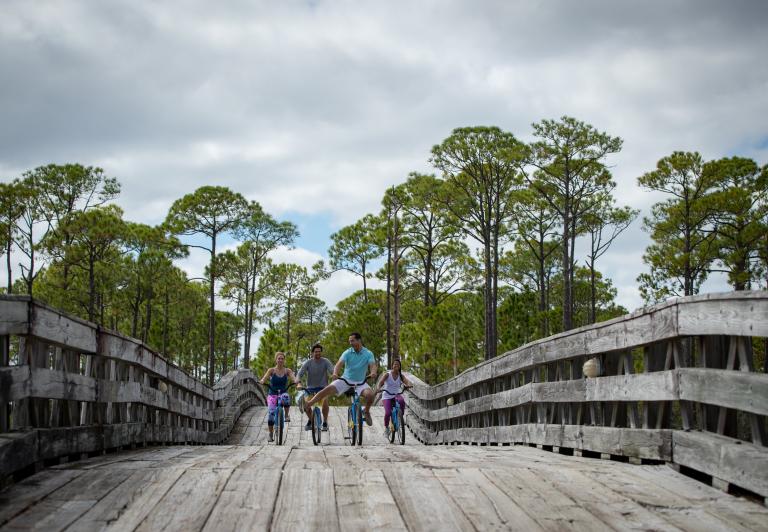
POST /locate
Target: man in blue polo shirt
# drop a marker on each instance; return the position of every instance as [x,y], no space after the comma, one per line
[358,362]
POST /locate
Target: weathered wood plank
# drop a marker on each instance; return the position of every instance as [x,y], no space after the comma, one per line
[483,502]
[731,389]
[197,490]
[422,499]
[306,501]
[734,461]
[16,499]
[14,316]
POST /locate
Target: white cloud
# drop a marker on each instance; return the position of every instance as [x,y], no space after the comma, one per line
[317,107]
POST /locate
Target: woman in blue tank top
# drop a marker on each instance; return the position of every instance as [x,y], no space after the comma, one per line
[278,384]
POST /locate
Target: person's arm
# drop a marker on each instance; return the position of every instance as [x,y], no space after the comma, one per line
[373,368]
[381,382]
[337,368]
[292,376]
[405,380]
[303,368]
[267,375]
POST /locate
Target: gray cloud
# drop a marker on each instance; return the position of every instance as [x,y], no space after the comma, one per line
[318,106]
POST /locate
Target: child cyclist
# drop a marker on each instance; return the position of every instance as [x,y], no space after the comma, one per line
[390,384]
[278,386]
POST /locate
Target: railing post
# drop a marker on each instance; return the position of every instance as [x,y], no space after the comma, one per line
[5,357]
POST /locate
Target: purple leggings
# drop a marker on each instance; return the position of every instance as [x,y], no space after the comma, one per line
[388,407]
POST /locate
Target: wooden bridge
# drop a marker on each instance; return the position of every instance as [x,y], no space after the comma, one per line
[99,432]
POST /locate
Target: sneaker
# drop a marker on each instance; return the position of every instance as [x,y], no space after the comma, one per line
[325,426]
[386,432]
[271,437]
[287,419]
[308,426]
[368,420]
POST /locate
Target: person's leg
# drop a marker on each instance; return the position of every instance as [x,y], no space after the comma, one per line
[387,411]
[401,402]
[325,410]
[368,395]
[323,394]
[286,400]
[271,411]
[307,410]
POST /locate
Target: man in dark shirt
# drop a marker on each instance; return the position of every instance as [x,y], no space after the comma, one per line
[317,368]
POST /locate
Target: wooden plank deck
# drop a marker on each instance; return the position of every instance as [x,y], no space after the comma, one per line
[251,485]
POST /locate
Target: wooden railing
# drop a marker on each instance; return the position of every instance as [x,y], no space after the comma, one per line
[676,383]
[69,388]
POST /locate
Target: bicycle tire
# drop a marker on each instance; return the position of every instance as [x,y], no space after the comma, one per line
[393,423]
[400,427]
[360,423]
[317,426]
[352,425]
[280,423]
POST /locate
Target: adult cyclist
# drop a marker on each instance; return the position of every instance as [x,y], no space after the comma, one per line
[357,361]
[317,368]
[278,385]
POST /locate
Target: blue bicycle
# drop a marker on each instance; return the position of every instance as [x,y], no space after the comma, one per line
[397,420]
[280,411]
[316,419]
[354,413]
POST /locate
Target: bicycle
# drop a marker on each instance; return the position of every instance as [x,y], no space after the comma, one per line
[397,419]
[316,419]
[279,411]
[354,413]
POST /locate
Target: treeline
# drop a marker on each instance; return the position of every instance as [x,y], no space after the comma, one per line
[498,250]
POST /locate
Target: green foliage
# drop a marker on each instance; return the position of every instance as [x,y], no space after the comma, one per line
[355,314]
[681,228]
[740,205]
[354,247]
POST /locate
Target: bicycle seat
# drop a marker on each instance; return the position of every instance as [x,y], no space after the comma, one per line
[350,392]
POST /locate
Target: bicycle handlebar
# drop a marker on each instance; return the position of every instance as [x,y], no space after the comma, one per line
[355,384]
[273,390]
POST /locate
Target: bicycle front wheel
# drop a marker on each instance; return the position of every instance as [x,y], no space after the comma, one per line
[400,427]
[279,425]
[360,423]
[352,425]
[317,426]
[393,424]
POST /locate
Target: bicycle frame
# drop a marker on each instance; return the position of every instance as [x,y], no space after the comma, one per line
[397,419]
[279,422]
[354,414]
[315,419]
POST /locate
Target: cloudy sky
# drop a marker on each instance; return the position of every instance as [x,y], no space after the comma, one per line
[314,108]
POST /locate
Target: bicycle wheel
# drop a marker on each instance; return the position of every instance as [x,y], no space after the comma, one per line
[279,423]
[352,425]
[393,424]
[317,426]
[360,423]
[400,427]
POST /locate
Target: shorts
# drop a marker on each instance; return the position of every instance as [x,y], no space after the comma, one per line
[342,387]
[272,404]
[272,401]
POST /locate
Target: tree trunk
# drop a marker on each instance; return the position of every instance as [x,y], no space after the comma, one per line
[487,296]
[396,283]
[8,261]
[567,316]
[212,315]
[593,293]
[389,292]
[91,289]
[166,308]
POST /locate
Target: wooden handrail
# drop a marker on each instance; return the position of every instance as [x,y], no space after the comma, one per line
[676,383]
[69,387]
